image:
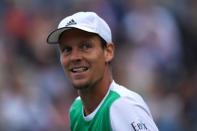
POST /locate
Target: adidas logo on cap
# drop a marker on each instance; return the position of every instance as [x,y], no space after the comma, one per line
[71,22]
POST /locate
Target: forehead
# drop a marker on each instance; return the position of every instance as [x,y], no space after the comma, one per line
[76,34]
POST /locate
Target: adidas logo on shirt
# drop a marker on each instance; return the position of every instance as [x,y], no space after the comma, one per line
[71,22]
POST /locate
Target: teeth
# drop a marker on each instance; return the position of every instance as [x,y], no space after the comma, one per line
[79,69]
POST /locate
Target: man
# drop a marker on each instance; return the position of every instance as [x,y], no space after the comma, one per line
[86,51]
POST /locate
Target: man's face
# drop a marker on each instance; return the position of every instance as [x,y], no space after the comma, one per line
[83,57]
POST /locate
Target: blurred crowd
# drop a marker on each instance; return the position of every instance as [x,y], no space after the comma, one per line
[156,56]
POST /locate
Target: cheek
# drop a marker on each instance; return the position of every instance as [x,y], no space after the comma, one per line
[63,61]
[99,64]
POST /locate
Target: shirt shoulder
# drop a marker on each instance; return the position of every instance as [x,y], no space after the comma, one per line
[130,112]
[76,106]
[128,96]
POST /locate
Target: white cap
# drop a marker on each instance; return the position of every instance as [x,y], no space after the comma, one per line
[86,21]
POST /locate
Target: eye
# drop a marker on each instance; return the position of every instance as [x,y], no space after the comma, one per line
[66,49]
[86,46]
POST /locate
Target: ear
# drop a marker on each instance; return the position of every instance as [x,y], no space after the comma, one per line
[109,52]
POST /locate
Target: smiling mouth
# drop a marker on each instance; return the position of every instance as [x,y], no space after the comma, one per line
[78,69]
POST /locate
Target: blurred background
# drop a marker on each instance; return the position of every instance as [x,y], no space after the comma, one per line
[156,56]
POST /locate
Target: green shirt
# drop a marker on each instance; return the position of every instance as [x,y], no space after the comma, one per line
[100,122]
[120,110]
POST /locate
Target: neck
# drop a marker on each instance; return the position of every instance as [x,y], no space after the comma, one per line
[92,96]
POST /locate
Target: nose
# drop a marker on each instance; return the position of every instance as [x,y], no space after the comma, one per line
[75,55]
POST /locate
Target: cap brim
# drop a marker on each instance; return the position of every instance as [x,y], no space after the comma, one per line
[53,37]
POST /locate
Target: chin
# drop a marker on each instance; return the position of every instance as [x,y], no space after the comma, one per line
[80,85]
